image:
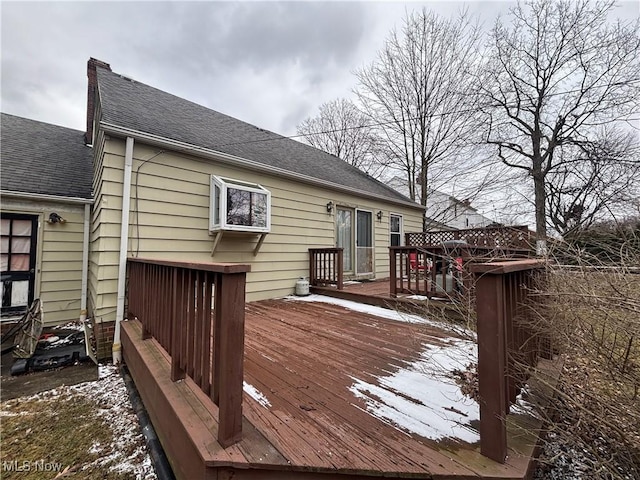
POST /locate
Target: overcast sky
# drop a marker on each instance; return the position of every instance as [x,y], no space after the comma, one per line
[267,63]
[271,64]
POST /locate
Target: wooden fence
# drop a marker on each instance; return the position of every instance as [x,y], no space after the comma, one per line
[326,267]
[196,312]
[509,342]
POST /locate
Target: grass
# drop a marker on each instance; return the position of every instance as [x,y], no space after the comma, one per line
[595,322]
[82,433]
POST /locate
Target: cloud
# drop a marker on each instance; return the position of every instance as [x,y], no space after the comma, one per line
[269,63]
[261,62]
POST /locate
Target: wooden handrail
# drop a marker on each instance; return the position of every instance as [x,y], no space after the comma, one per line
[206,267]
[196,313]
[507,266]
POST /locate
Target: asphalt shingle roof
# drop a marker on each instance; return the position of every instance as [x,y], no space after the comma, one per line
[136,106]
[45,159]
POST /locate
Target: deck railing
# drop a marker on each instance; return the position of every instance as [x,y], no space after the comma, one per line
[425,271]
[326,267]
[509,341]
[196,312]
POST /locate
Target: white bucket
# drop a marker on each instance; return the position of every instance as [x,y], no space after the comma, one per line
[302,287]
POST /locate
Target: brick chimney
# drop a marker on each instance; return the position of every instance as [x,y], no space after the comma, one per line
[92,88]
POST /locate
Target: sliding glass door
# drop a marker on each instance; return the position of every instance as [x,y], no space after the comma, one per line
[364,242]
[355,237]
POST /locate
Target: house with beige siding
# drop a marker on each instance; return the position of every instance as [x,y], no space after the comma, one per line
[175,180]
[46,198]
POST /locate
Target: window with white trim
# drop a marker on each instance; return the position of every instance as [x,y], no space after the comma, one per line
[395,230]
[239,206]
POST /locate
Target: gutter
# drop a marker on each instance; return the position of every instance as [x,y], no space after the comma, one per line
[124,240]
[155,140]
[44,197]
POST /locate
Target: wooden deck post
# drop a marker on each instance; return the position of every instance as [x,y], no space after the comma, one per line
[392,273]
[312,267]
[229,348]
[491,366]
[340,267]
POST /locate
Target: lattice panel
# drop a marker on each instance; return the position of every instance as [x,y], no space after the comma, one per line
[494,237]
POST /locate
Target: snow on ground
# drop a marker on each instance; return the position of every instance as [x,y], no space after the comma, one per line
[422,397]
[70,326]
[111,396]
[256,394]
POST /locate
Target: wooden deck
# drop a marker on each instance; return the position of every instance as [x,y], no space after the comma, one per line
[303,357]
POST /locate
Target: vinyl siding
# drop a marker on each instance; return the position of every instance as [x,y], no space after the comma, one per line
[169,219]
[102,261]
[59,257]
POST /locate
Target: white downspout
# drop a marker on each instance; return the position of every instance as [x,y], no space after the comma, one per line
[124,241]
[85,263]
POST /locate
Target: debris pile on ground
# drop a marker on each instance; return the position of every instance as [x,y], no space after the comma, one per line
[467,380]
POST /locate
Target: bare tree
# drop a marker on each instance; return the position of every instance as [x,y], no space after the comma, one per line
[344,131]
[594,180]
[555,70]
[419,91]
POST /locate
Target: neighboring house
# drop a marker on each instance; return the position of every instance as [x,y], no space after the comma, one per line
[205,187]
[445,212]
[454,213]
[46,193]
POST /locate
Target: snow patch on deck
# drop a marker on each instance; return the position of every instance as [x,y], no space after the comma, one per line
[423,398]
[363,308]
[256,394]
[381,312]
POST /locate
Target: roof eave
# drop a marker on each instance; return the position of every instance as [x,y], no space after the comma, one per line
[45,197]
[229,159]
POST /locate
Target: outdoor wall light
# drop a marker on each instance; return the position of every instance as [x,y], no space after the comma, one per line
[379,215]
[329,207]
[55,218]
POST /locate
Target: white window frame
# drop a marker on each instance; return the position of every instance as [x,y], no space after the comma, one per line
[220,205]
[401,225]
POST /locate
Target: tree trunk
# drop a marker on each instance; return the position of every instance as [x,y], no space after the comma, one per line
[423,192]
[541,213]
